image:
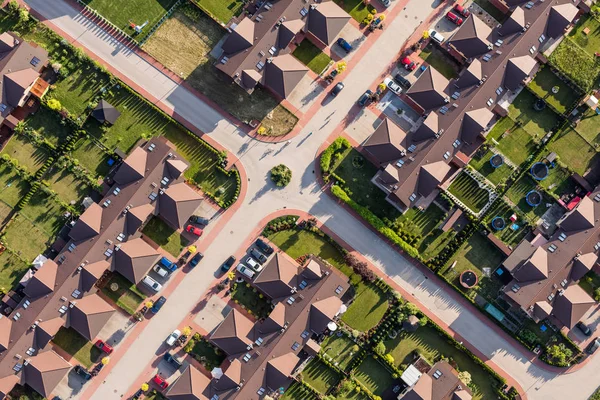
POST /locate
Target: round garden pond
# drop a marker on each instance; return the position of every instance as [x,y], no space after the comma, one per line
[496,161]
[498,223]
[539,171]
[533,198]
[468,279]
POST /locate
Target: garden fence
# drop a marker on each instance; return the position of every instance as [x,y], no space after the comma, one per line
[160,22]
[95,14]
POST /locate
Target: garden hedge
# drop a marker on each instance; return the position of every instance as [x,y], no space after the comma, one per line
[339,144]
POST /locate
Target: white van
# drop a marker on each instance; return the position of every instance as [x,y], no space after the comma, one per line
[151,283]
[242,269]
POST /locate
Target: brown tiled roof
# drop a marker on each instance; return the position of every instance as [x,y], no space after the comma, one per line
[17,83]
[240,38]
[448,383]
[279,370]
[312,270]
[428,129]
[90,273]
[283,73]
[535,268]
[326,20]
[134,259]
[43,281]
[572,305]
[137,216]
[5,330]
[133,167]
[45,371]
[471,76]
[275,321]
[471,39]
[387,143]
[106,112]
[582,265]
[389,175]
[232,377]
[231,335]
[461,395]
[45,331]
[177,204]
[560,18]
[250,78]
[429,91]
[580,218]
[312,348]
[89,315]
[176,167]
[278,277]
[474,124]
[515,23]
[322,313]
[431,176]
[191,385]
[517,69]
[542,309]
[422,390]
[287,31]
[88,224]
[7,384]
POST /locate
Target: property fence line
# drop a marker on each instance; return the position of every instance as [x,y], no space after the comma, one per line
[482,183]
[96,14]
[507,160]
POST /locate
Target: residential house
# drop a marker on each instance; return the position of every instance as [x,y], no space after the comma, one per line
[437,382]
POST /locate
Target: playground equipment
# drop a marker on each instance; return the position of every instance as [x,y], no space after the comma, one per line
[496,161]
[137,28]
[539,171]
[498,223]
[468,279]
[533,198]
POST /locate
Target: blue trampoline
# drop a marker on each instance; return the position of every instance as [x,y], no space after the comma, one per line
[539,171]
[533,198]
[496,161]
[498,223]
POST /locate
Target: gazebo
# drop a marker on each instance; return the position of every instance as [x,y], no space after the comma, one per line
[105,113]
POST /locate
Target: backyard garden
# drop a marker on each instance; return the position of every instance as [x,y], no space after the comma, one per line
[204,352]
[575,63]
[221,10]
[311,56]
[467,190]
[496,175]
[247,296]
[573,150]
[127,295]
[517,193]
[358,9]
[440,60]
[137,12]
[555,91]
[76,345]
[165,236]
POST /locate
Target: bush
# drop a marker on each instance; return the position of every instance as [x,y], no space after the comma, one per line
[54,105]
[281,175]
[340,144]
[380,348]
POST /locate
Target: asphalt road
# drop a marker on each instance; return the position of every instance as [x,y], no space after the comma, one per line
[302,193]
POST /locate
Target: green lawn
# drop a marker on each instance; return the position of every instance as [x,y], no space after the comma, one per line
[44,212]
[431,346]
[204,352]
[537,123]
[558,181]
[501,209]
[590,282]
[311,56]
[356,8]
[298,392]
[517,145]
[12,270]
[27,246]
[368,308]
[575,63]
[26,153]
[516,194]
[492,10]
[78,90]
[5,211]
[250,299]
[573,150]
[12,186]
[440,61]
[434,243]
[76,345]
[48,124]
[466,189]
[91,157]
[127,296]
[136,11]
[339,348]
[320,377]
[222,10]
[476,254]
[68,187]
[590,42]
[589,127]
[374,376]
[542,85]
[165,236]
[481,162]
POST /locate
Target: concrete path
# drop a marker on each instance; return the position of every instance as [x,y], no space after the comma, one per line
[303,193]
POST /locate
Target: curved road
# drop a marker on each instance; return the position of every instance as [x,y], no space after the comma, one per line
[303,193]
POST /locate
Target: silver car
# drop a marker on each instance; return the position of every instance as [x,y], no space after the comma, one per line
[247,272]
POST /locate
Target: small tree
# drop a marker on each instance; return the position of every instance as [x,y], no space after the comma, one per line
[54,105]
[465,376]
[281,175]
[341,66]
[426,35]
[380,348]
[597,294]
[187,331]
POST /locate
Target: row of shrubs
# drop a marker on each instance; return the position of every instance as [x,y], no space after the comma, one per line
[338,146]
[437,262]
[280,224]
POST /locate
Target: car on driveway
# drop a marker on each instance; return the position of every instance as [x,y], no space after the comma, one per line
[386,3]
[393,86]
[344,45]
[160,382]
[227,264]
[160,270]
[258,256]
[194,230]
[196,259]
[405,83]
[151,283]
[435,36]
[408,64]
[101,344]
[337,89]
[172,338]
[264,246]
[82,372]
[244,270]
[584,328]
[365,98]
[255,265]
[450,16]
[158,304]
[460,10]
[168,264]
[168,357]
[196,219]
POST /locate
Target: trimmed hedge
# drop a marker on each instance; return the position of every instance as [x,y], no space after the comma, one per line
[338,145]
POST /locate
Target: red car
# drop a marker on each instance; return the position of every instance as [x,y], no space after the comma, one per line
[160,381]
[192,229]
[462,11]
[104,347]
[454,18]
[408,64]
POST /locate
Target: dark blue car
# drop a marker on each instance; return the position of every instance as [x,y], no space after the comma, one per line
[196,259]
[158,304]
[344,45]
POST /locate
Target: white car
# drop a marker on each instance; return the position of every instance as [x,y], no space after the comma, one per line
[242,269]
[173,337]
[392,85]
[151,283]
[435,36]
[160,271]
[252,263]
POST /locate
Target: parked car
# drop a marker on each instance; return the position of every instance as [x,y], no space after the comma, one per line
[158,304]
[196,219]
[151,283]
[593,346]
[393,86]
[168,264]
[435,36]
[102,345]
[584,328]
[247,272]
[386,3]
[194,230]
[160,381]
[408,64]
[337,89]
[196,259]
[160,270]
[344,45]
[258,256]
[460,10]
[450,16]
[255,265]
[168,357]
[365,98]
[227,264]
[172,338]
[264,246]
[405,83]
[79,370]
